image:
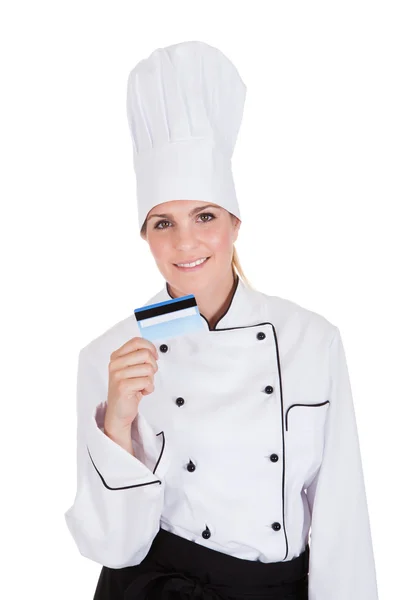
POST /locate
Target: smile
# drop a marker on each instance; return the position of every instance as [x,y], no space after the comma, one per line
[193,266]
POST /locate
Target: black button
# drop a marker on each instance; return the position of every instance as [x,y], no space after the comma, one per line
[269,389]
[179,401]
[190,466]
[274,457]
[206,533]
[163,347]
[276,526]
[260,335]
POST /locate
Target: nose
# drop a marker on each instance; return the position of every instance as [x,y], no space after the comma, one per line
[185,240]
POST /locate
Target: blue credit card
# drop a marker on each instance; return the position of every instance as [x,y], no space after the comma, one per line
[178,316]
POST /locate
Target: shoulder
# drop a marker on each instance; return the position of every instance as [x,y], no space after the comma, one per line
[99,349]
[288,315]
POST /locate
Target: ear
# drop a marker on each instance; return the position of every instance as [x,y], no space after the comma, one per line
[143,231]
[236,227]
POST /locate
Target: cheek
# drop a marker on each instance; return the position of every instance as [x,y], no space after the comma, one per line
[218,241]
[159,246]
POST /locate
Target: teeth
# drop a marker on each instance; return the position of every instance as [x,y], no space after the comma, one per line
[193,264]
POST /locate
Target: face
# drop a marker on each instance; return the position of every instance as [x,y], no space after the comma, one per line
[182,231]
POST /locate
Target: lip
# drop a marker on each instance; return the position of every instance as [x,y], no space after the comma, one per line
[190,260]
[196,268]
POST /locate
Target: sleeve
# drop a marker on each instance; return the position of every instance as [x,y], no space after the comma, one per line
[342,565]
[119,497]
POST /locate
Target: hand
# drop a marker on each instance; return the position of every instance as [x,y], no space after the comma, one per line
[130,377]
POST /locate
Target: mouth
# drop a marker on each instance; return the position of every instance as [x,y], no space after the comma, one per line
[194,268]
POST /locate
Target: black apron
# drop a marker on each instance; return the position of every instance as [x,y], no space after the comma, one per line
[176,568]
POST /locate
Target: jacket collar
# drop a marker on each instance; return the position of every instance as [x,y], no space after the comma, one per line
[245,308]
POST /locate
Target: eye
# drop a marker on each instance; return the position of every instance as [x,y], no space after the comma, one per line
[207,215]
[159,223]
[201,215]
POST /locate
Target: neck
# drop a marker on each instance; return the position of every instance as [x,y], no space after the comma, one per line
[213,302]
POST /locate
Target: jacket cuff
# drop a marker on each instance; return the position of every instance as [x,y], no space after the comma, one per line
[116,467]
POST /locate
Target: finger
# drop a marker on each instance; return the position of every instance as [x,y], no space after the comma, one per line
[137,357]
[135,371]
[133,344]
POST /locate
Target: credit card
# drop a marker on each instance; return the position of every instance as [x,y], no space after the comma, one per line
[164,320]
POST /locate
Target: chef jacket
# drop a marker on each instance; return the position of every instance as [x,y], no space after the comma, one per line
[248,445]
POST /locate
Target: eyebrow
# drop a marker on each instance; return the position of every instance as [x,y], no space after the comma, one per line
[192,212]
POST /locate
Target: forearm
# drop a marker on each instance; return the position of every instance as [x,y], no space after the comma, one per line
[122,438]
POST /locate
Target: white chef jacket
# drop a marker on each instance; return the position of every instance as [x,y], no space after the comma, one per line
[248,445]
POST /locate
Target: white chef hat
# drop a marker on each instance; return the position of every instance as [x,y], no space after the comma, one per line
[185,105]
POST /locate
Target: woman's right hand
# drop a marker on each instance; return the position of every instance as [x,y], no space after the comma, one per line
[130,377]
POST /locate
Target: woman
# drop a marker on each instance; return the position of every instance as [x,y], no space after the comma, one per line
[205,461]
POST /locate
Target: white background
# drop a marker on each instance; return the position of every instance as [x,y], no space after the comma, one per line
[316,168]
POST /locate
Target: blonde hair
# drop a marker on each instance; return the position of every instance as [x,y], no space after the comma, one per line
[236,266]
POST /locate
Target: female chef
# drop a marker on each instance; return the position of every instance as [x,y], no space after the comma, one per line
[223,465]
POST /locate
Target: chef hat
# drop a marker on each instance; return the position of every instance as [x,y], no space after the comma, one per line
[185,105]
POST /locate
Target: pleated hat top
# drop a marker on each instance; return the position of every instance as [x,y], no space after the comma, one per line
[185,105]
